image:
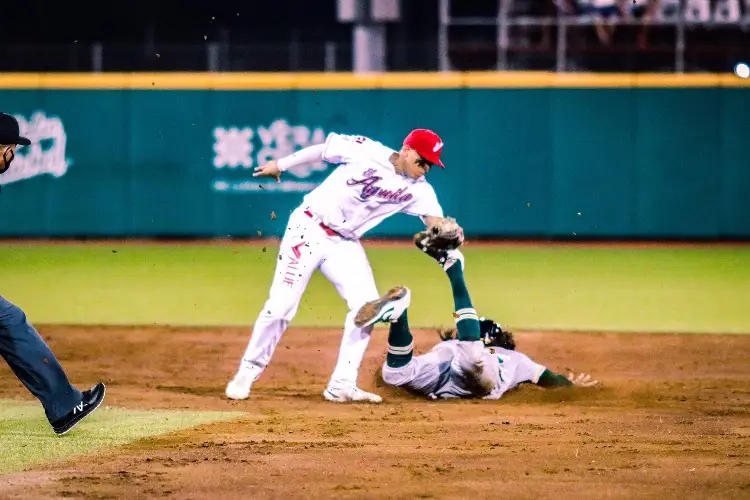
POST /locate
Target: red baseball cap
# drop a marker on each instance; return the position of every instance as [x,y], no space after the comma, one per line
[427,144]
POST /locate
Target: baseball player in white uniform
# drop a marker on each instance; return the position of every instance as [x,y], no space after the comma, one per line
[371,183]
[481,363]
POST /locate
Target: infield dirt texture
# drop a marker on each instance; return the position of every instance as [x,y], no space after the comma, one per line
[670,420]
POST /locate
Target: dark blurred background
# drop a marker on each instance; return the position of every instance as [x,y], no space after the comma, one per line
[306,35]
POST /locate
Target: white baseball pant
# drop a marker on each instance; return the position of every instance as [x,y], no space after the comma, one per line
[305,247]
[453,369]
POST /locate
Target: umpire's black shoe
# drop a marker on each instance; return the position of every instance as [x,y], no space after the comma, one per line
[90,402]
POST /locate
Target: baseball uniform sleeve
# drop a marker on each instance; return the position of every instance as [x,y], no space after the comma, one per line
[527,370]
[425,204]
[340,148]
[310,154]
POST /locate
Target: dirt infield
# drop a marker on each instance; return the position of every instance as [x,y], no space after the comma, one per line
[672,420]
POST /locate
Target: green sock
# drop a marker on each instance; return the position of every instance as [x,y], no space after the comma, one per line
[467,320]
[400,343]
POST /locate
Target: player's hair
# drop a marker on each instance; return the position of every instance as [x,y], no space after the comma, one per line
[447,333]
[505,340]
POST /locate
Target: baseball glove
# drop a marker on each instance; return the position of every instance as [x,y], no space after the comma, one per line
[445,235]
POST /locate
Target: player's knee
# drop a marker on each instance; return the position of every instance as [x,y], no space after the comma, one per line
[397,376]
[471,365]
[387,374]
[280,309]
[11,315]
[470,353]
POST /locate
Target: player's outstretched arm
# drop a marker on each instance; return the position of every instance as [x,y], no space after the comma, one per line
[273,168]
[550,379]
[431,220]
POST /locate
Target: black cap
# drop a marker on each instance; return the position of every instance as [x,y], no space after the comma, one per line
[9,131]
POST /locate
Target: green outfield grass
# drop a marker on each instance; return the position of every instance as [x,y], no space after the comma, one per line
[624,289]
[28,440]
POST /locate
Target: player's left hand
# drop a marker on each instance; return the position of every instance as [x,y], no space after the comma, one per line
[270,169]
[445,234]
[582,380]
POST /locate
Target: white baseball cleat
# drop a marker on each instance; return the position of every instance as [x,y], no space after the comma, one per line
[453,256]
[239,386]
[346,392]
[389,307]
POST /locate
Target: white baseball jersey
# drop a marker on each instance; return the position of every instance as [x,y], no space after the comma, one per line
[365,189]
[461,369]
[356,196]
[513,368]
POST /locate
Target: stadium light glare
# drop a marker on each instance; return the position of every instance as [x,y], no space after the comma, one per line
[742,70]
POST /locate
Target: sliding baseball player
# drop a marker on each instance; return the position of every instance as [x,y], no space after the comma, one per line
[477,360]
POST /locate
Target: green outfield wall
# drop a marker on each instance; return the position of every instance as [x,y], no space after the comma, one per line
[527,155]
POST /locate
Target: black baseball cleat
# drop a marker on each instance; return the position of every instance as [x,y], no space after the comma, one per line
[446,258]
[90,402]
[422,239]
